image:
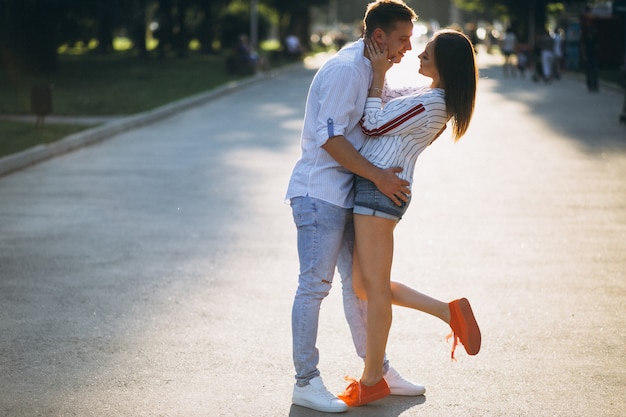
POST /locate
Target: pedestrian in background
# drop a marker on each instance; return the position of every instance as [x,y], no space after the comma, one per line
[509,45]
[557,62]
[293,48]
[546,43]
[523,59]
[590,57]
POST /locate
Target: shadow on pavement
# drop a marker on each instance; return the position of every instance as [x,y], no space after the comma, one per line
[392,406]
[591,119]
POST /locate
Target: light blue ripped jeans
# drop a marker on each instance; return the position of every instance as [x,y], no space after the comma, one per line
[325,241]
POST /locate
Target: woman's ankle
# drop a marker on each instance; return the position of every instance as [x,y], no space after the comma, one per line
[371,381]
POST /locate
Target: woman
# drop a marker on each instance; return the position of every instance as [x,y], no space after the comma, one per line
[405,127]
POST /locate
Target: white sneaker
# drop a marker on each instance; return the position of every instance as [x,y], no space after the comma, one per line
[400,386]
[316,396]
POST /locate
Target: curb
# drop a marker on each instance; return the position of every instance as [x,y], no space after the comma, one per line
[40,153]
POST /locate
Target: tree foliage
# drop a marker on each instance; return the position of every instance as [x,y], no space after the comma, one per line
[31,31]
[523,16]
[295,18]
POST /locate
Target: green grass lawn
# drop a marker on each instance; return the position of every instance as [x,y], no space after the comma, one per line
[17,136]
[115,84]
[92,85]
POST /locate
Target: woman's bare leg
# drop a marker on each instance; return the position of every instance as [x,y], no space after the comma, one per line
[373,255]
[405,296]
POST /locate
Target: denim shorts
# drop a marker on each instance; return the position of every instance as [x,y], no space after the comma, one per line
[369,201]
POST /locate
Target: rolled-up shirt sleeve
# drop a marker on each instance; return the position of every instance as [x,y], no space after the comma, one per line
[337,101]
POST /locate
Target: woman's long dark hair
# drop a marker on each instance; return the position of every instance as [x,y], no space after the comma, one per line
[456,62]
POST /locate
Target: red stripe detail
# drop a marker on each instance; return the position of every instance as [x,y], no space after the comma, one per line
[396,121]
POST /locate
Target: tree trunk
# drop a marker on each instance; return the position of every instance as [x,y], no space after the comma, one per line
[29,39]
[206,28]
[179,34]
[139,27]
[164,33]
[105,30]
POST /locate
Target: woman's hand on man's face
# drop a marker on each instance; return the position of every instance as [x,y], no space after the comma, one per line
[378,56]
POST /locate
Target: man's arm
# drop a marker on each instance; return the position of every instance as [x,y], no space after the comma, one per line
[385,180]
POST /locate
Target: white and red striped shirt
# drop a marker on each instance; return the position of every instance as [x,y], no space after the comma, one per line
[401,129]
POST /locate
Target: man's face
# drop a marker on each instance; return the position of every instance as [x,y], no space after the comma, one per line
[398,40]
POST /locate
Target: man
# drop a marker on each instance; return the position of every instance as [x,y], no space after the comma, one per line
[320,194]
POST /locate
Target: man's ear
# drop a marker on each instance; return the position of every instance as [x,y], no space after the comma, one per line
[379,37]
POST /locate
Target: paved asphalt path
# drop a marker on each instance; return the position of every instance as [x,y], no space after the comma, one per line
[152,274]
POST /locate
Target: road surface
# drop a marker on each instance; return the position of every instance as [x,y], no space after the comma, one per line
[152,274]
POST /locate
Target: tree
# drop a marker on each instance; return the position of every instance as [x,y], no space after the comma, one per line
[27,34]
[32,30]
[208,28]
[295,17]
[138,25]
[234,21]
[109,15]
[527,17]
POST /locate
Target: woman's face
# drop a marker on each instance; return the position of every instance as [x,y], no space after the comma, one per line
[428,68]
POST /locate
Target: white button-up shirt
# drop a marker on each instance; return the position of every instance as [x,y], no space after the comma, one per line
[334,107]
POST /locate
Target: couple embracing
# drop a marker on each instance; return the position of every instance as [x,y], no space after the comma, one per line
[352,185]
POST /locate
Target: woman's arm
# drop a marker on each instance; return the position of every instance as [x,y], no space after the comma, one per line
[402,115]
[380,65]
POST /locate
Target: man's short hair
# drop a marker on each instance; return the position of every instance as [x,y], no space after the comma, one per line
[384,14]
